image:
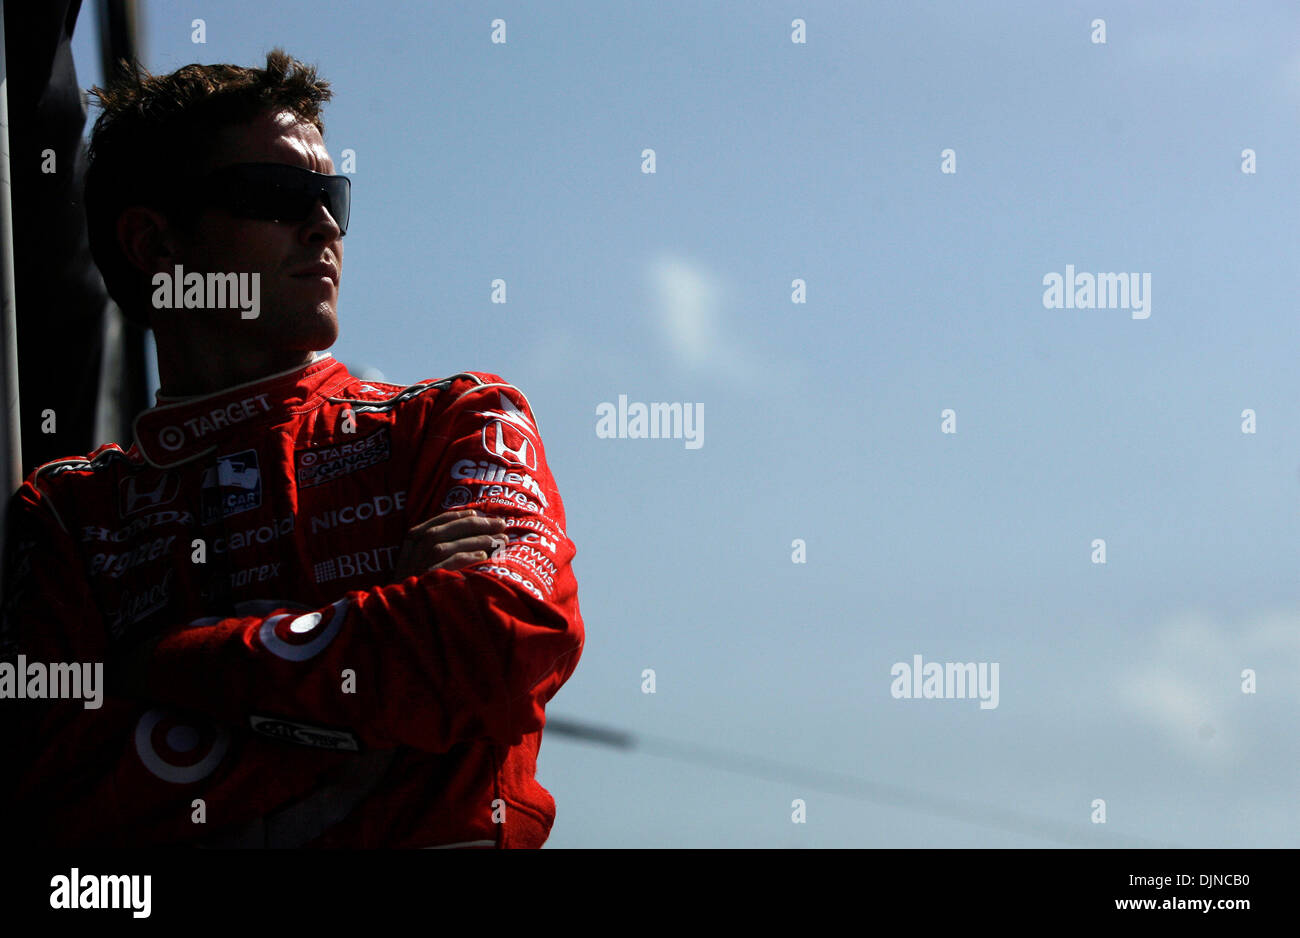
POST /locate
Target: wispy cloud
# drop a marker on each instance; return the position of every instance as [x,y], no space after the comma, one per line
[1189,684]
[688,308]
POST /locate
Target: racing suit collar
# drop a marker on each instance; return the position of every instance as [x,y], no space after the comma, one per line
[174,433]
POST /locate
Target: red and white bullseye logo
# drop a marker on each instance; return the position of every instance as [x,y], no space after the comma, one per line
[179,748]
[171,438]
[298,637]
[293,636]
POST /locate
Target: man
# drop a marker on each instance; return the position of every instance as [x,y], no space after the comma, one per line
[330,611]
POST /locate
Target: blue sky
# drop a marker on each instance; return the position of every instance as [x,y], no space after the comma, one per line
[822,420]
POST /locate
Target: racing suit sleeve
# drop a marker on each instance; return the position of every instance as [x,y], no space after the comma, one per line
[99,769]
[72,771]
[434,660]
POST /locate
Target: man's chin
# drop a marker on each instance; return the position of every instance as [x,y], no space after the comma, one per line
[311,332]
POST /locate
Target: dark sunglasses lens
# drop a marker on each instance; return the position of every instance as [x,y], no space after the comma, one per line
[338,201]
[284,193]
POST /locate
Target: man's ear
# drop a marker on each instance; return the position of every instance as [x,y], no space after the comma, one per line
[147,239]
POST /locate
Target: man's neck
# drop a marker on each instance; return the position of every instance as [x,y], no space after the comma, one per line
[200,376]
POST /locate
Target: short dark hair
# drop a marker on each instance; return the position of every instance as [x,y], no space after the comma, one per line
[151,126]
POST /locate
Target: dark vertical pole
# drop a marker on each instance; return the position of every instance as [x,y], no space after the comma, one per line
[11,460]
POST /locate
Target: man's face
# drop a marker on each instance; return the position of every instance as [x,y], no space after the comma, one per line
[297,312]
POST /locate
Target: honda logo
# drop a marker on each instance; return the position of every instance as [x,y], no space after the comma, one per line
[509,444]
[138,498]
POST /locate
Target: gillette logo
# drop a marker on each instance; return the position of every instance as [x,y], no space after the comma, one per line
[484,471]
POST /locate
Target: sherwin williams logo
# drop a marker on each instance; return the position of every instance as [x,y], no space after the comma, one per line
[322,464]
[232,486]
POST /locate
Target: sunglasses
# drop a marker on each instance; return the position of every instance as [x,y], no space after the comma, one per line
[278,192]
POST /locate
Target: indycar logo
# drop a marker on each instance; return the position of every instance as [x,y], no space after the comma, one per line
[231,487]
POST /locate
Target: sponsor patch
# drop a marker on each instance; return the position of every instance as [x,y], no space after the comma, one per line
[304,734]
[322,464]
[115,564]
[137,526]
[509,444]
[457,497]
[138,604]
[377,561]
[231,487]
[259,574]
[506,573]
[484,471]
[376,506]
[134,496]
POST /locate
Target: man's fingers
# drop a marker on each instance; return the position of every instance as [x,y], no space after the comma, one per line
[453,524]
[416,557]
[449,541]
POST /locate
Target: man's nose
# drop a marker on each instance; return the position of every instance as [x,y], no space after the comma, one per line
[321,222]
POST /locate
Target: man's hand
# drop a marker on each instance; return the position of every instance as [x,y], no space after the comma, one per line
[449,541]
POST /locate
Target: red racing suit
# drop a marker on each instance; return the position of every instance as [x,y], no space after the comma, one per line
[297,695]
